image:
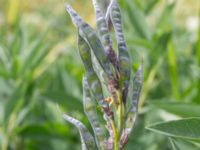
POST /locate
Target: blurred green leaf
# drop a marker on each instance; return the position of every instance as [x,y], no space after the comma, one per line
[165,17]
[180,109]
[185,128]
[36,52]
[173,70]
[174,145]
[15,101]
[138,20]
[150,5]
[45,130]
[183,144]
[63,98]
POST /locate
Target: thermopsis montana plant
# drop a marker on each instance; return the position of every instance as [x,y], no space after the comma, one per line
[107,81]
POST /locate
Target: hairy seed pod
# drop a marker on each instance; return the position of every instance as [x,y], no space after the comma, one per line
[90,111]
[134,100]
[87,139]
[92,78]
[103,31]
[92,39]
[124,59]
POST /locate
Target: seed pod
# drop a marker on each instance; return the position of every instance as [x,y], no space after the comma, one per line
[92,39]
[124,59]
[90,111]
[134,100]
[103,31]
[92,78]
[87,139]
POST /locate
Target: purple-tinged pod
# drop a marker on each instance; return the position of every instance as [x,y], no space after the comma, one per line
[123,55]
[103,30]
[134,100]
[90,111]
[92,39]
[92,78]
[87,140]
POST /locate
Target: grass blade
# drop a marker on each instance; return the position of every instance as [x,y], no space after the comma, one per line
[173,70]
[137,19]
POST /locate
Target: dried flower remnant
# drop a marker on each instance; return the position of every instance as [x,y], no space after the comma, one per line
[118,108]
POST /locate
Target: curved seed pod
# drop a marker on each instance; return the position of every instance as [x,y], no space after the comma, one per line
[93,80]
[124,59]
[103,31]
[107,17]
[92,39]
[103,5]
[133,110]
[87,139]
[90,111]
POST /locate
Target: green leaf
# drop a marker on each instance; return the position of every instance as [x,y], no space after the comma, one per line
[34,50]
[137,19]
[179,144]
[15,101]
[173,70]
[180,109]
[40,57]
[150,5]
[198,60]
[164,21]
[174,144]
[42,130]
[86,137]
[63,98]
[185,128]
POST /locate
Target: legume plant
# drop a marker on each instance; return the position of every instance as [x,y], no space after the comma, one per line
[108,81]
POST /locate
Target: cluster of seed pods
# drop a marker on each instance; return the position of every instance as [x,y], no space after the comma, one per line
[119,104]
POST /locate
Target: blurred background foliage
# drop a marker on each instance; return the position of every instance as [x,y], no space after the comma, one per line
[41,72]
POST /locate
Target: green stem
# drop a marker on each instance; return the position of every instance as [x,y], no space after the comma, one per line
[120,110]
[115,135]
[117,131]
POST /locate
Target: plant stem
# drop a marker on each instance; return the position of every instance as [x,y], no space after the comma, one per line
[115,135]
[117,131]
[120,111]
